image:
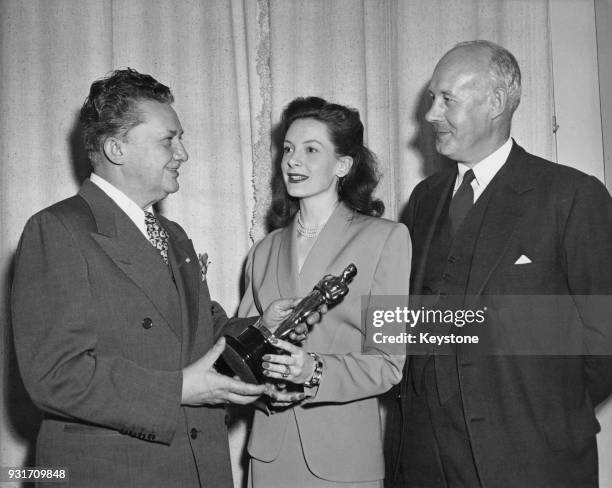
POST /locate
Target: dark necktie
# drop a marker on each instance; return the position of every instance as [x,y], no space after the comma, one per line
[445,364]
[462,201]
[157,235]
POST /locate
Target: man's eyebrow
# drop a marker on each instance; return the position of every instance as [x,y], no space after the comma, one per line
[443,93]
[173,132]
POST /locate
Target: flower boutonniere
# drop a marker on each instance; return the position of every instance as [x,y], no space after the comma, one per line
[204,263]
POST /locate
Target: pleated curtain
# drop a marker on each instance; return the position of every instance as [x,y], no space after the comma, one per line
[232,65]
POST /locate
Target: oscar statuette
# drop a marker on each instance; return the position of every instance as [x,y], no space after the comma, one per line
[242,354]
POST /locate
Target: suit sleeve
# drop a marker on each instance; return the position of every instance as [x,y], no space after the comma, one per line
[408,215]
[588,255]
[227,326]
[56,343]
[372,371]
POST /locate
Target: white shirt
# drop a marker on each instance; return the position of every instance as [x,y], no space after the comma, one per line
[125,203]
[485,170]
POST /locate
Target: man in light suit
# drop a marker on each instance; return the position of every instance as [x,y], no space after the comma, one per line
[115,337]
[503,223]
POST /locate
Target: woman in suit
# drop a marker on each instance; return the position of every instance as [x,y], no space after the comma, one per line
[326,218]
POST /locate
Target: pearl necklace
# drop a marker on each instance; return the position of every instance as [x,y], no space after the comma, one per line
[307,232]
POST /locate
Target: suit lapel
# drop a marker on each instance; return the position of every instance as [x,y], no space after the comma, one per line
[125,245]
[185,268]
[287,273]
[325,249]
[292,283]
[507,204]
[432,204]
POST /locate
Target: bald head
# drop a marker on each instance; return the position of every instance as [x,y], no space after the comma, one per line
[475,89]
[493,60]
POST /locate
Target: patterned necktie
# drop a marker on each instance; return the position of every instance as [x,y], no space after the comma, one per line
[157,235]
[462,201]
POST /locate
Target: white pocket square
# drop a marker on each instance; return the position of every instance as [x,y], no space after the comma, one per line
[522,260]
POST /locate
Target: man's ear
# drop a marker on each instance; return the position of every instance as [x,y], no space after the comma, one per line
[498,100]
[113,150]
[344,166]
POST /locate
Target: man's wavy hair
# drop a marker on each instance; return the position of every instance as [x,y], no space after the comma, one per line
[346,134]
[110,109]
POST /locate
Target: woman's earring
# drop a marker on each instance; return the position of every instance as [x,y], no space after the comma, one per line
[340,183]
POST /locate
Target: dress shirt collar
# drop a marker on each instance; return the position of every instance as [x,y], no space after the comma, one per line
[125,203]
[485,170]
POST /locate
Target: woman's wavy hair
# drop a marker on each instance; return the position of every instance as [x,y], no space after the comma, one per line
[346,134]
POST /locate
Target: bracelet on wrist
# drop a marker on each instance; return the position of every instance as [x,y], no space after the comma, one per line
[315,379]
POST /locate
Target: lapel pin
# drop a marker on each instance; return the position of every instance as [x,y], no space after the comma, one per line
[187,260]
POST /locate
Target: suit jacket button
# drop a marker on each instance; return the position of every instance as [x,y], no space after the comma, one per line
[193,433]
[147,323]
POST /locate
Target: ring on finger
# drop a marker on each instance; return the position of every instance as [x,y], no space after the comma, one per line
[287,371]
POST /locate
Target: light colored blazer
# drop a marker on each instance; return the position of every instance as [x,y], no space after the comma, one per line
[102,332]
[340,428]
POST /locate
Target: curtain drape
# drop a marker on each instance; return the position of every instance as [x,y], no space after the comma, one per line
[232,65]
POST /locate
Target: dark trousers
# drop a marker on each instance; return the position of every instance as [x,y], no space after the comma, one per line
[436,451]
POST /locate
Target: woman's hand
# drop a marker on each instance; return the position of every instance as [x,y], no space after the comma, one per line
[281,397]
[296,367]
[280,309]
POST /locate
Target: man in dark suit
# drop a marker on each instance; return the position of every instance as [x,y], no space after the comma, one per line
[114,327]
[528,242]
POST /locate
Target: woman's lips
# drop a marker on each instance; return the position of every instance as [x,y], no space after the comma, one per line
[296,178]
